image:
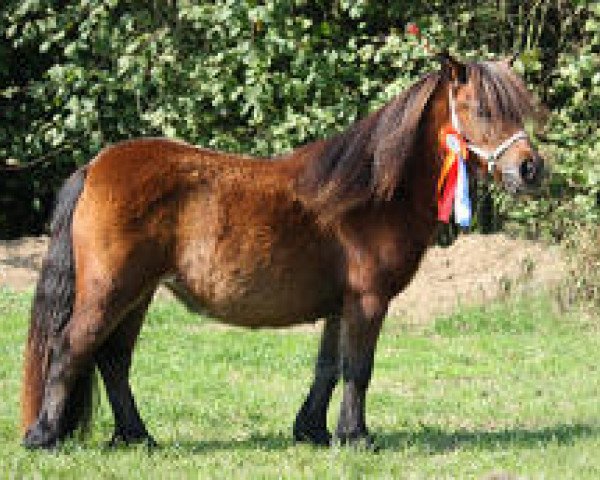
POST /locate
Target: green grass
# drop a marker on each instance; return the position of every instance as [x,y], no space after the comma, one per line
[512,388]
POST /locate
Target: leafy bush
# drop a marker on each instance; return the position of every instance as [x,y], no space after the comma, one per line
[264,77]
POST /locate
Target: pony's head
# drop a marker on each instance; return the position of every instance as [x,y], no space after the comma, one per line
[488,105]
[390,153]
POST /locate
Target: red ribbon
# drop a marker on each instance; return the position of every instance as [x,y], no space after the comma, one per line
[445,200]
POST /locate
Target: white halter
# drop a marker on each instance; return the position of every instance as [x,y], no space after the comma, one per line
[489,157]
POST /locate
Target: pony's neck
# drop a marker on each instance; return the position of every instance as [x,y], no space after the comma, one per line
[335,173]
[391,154]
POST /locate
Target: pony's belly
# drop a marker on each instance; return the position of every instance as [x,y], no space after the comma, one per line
[271,283]
[257,304]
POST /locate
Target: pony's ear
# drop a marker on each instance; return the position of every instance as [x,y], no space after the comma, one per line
[455,70]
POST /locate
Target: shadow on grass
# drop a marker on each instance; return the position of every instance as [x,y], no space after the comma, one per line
[429,439]
[269,442]
[437,440]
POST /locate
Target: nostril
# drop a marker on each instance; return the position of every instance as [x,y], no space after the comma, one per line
[529,171]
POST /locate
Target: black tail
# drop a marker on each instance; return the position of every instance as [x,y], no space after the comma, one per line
[51,311]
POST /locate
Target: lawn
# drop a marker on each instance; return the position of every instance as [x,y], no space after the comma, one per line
[512,389]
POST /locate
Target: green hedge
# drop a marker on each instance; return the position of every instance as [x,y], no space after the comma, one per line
[264,77]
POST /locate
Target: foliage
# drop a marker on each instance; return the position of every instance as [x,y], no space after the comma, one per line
[570,86]
[264,77]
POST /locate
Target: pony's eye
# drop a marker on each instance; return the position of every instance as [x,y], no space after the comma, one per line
[483,113]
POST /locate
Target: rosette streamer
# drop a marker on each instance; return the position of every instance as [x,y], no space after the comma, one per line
[453,184]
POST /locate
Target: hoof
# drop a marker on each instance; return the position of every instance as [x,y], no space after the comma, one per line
[316,436]
[39,437]
[358,440]
[120,439]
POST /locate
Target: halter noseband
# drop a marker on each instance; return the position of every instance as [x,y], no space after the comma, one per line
[489,157]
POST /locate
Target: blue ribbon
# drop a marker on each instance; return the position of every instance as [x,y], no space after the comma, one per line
[462,200]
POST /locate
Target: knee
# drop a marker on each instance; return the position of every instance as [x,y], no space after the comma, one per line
[373,307]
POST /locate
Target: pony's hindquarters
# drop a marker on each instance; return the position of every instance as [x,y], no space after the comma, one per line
[109,247]
[51,311]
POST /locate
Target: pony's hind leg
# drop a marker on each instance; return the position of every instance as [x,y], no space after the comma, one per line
[311,421]
[114,362]
[66,403]
[67,396]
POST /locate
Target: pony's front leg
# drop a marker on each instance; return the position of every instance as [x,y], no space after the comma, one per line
[311,421]
[361,324]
